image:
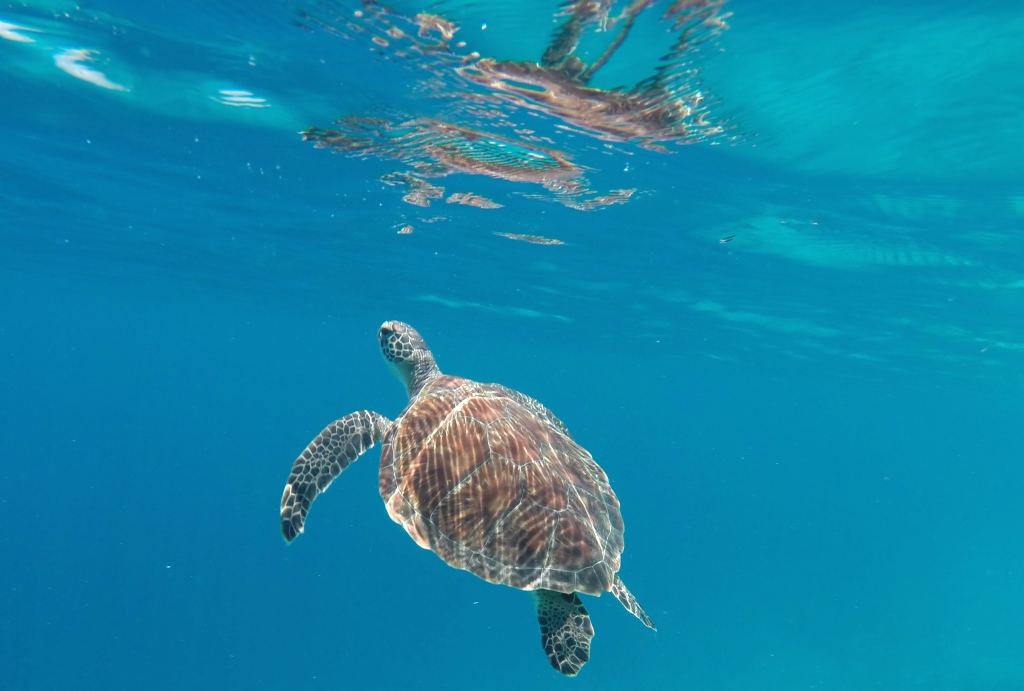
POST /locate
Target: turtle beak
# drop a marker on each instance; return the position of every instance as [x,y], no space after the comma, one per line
[386,329]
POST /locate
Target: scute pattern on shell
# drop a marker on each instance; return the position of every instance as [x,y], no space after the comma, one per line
[495,489]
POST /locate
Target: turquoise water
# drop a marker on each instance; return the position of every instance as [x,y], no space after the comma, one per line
[790,331]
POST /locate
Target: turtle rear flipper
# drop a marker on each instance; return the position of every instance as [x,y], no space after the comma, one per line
[341,442]
[565,629]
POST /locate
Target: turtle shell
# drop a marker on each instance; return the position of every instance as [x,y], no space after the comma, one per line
[493,488]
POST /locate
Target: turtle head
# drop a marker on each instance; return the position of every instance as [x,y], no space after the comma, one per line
[407,355]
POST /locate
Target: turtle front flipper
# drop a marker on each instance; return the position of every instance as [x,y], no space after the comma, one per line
[623,595]
[341,442]
[565,629]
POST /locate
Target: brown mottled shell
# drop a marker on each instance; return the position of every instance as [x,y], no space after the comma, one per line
[494,489]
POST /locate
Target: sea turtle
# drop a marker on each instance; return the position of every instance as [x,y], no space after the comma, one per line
[490,480]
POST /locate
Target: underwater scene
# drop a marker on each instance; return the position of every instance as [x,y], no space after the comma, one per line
[631,344]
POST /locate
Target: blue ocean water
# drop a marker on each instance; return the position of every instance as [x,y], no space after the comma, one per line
[791,334]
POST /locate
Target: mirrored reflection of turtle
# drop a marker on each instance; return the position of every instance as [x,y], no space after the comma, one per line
[491,481]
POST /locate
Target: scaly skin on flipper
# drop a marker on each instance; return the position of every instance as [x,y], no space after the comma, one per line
[341,442]
[565,630]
